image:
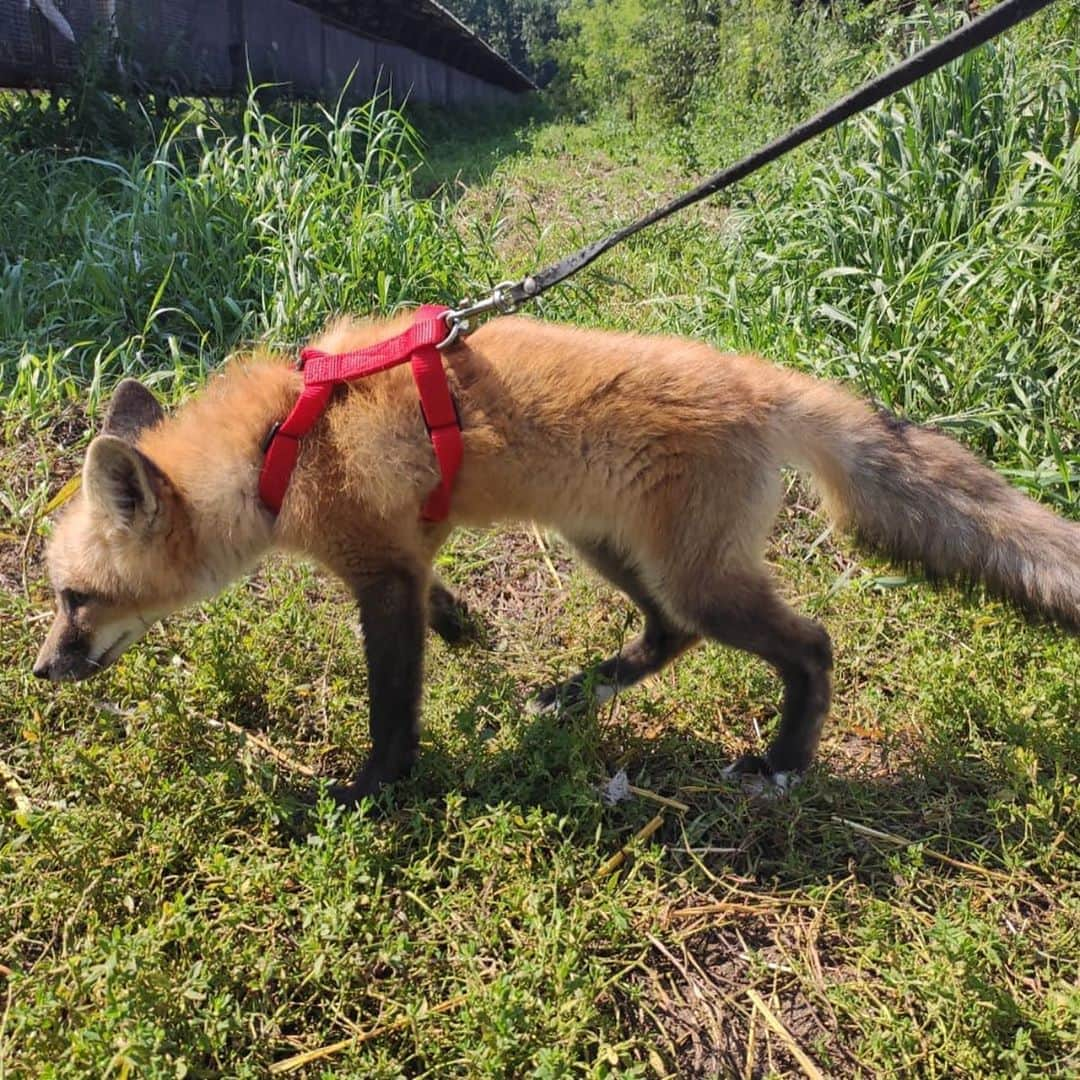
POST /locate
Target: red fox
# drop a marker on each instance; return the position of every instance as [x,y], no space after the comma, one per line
[657,458]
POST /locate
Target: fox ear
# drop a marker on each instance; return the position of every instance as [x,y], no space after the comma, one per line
[123,482]
[132,409]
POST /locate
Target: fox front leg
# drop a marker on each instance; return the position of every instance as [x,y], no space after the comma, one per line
[394,618]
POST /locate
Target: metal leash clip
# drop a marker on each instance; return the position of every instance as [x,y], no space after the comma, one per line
[506,298]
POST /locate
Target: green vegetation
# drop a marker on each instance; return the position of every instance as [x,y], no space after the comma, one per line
[205,238]
[521,30]
[169,907]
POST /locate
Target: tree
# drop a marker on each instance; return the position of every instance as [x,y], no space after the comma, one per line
[521,30]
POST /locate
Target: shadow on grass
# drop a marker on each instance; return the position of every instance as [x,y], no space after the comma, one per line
[938,796]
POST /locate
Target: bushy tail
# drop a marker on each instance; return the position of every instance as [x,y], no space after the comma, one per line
[921,498]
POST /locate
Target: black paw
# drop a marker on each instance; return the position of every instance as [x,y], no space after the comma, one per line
[451,619]
[349,796]
[570,697]
[368,782]
[749,765]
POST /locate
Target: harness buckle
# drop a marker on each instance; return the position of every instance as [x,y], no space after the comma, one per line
[430,428]
[270,435]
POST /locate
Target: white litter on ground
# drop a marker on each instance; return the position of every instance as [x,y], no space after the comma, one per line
[616,790]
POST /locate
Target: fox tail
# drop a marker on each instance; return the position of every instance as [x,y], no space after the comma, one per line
[918,496]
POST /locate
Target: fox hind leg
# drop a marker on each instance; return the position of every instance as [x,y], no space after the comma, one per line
[746,613]
[659,643]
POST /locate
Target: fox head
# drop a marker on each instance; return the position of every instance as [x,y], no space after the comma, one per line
[123,553]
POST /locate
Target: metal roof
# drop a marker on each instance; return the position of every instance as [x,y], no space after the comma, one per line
[428,28]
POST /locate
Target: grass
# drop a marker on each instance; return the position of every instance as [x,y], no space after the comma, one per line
[212,233]
[167,905]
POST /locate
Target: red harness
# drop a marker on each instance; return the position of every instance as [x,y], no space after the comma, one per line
[322,372]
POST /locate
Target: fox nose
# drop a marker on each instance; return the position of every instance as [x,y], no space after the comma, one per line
[42,669]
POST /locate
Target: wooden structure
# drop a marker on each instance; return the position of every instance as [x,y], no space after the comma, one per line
[412,48]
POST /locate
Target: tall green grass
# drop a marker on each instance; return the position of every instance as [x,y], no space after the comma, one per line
[164,259]
[932,255]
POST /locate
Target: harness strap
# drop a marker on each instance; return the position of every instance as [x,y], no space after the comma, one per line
[323,371]
[443,424]
[282,446]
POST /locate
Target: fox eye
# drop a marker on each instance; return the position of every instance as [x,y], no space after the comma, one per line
[73,600]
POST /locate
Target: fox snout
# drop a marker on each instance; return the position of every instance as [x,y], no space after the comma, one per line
[65,654]
[71,653]
[68,666]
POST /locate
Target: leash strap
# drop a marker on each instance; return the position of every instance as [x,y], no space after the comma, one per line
[509,296]
[323,371]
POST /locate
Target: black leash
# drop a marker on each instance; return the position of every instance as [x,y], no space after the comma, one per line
[509,296]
